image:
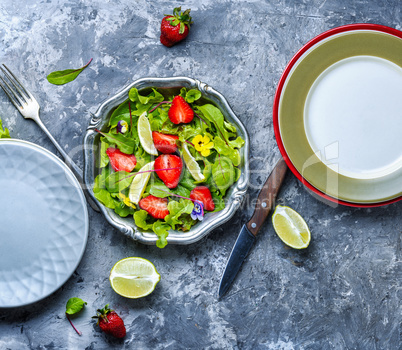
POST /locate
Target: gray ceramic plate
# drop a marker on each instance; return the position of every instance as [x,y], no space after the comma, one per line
[170,86]
[44,223]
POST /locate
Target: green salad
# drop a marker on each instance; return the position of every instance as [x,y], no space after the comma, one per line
[166,161]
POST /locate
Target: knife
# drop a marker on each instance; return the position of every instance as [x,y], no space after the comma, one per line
[247,237]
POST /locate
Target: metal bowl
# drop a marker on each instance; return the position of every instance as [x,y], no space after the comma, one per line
[170,86]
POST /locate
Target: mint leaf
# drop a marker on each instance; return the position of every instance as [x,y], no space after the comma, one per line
[65,76]
[4,133]
[74,305]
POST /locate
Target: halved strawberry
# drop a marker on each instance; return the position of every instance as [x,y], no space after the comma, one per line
[156,207]
[203,194]
[165,143]
[121,161]
[180,111]
[171,177]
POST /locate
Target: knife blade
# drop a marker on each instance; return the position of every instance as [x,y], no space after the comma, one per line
[247,236]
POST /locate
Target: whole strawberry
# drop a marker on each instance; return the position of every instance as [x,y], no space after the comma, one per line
[110,322]
[175,28]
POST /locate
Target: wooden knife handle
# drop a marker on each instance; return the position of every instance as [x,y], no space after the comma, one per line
[266,197]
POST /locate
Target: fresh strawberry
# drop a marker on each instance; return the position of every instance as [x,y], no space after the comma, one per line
[121,161]
[175,28]
[169,177]
[165,143]
[110,322]
[203,194]
[180,111]
[156,207]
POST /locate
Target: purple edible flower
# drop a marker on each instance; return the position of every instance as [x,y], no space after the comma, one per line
[122,126]
[198,211]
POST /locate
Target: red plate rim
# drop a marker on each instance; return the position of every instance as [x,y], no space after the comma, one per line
[295,58]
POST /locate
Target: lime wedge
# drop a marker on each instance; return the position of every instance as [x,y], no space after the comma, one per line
[139,183]
[145,135]
[291,227]
[134,277]
[192,165]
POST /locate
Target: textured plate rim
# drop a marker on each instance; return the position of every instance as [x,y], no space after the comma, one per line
[280,87]
[58,161]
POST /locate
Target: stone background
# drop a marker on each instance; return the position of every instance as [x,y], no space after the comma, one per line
[342,292]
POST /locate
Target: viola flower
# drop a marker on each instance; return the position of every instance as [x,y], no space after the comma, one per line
[198,211]
[203,144]
[122,126]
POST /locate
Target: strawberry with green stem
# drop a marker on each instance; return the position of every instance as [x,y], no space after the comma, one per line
[110,322]
[175,28]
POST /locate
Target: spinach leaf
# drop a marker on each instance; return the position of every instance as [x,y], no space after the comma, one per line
[74,305]
[65,76]
[223,173]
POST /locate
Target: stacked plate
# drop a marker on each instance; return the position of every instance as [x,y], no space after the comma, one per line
[338,115]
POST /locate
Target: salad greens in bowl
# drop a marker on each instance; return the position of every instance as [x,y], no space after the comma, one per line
[166,159]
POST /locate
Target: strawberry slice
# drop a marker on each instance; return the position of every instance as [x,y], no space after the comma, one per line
[170,177]
[165,143]
[203,194]
[121,161]
[180,111]
[156,207]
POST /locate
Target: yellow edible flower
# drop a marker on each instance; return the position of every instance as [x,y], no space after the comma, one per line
[203,144]
[126,200]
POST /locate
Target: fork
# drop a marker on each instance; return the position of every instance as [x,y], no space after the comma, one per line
[27,105]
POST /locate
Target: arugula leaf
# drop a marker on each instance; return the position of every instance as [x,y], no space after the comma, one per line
[124,143]
[223,174]
[65,76]
[74,305]
[161,229]
[140,219]
[4,133]
[176,209]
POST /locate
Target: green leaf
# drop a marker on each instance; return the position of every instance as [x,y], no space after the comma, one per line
[152,98]
[159,189]
[104,159]
[4,133]
[161,229]
[124,143]
[225,150]
[192,95]
[74,305]
[101,193]
[118,181]
[176,209]
[65,76]
[223,173]
[140,219]
[229,126]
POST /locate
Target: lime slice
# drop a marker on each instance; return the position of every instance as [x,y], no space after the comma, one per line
[145,135]
[134,277]
[291,227]
[139,183]
[192,165]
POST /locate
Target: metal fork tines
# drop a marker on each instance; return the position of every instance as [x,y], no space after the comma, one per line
[27,105]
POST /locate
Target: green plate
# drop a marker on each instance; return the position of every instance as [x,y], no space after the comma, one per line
[340,116]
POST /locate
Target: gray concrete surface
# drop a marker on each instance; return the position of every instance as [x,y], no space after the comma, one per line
[343,292]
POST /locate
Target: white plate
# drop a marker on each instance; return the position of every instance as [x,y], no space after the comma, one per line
[44,223]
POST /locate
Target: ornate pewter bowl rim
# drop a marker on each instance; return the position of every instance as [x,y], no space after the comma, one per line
[212,220]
